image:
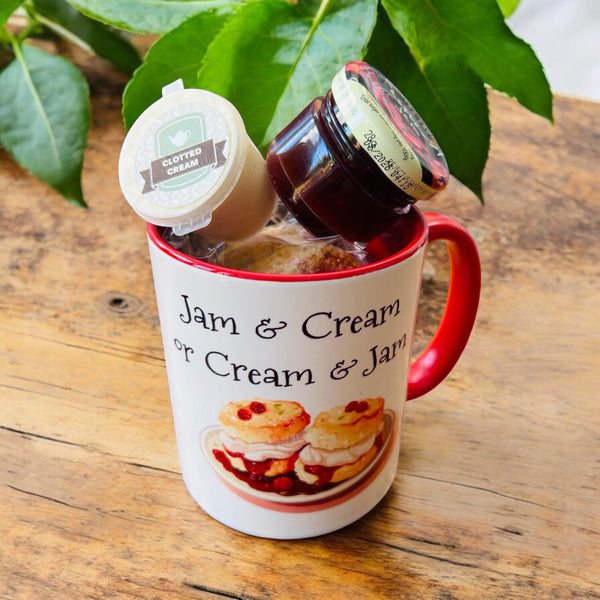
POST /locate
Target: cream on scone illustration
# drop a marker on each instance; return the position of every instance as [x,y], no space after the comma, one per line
[272,446]
[341,442]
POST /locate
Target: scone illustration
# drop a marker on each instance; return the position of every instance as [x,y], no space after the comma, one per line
[341,442]
[272,446]
[261,440]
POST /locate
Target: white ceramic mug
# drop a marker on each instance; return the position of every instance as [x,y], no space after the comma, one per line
[288,392]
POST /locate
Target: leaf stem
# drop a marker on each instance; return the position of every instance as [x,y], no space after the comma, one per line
[16,44]
[321,11]
[61,31]
[318,18]
[4,39]
[314,26]
[31,26]
[8,37]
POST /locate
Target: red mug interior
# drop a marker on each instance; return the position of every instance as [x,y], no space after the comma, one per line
[399,242]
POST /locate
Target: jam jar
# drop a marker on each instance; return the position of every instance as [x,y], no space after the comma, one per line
[355,160]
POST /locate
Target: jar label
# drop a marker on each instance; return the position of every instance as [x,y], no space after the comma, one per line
[184,155]
[378,136]
[182,151]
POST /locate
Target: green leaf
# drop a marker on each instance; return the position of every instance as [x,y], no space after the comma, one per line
[44,118]
[450,98]
[272,57]
[473,33]
[508,7]
[7,8]
[150,16]
[188,42]
[64,20]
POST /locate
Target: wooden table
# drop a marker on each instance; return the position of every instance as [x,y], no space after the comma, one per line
[498,490]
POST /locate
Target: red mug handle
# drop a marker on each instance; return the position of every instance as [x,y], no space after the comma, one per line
[451,337]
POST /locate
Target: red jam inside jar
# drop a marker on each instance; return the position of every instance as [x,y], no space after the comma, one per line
[353,161]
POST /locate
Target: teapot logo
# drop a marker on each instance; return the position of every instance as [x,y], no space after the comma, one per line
[184,155]
[180,138]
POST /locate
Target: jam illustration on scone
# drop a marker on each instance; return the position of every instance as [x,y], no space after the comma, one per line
[261,440]
[271,446]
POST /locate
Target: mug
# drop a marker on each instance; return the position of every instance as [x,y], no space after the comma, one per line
[288,391]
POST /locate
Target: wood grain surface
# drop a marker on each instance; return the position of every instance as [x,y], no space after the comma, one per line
[498,489]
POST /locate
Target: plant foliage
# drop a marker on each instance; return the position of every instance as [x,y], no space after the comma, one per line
[270,58]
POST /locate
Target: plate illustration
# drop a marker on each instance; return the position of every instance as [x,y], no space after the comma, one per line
[294,484]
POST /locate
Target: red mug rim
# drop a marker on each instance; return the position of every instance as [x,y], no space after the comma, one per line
[387,245]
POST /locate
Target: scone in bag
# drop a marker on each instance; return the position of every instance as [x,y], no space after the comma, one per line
[282,247]
[288,249]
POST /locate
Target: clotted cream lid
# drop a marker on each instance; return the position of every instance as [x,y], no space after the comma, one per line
[182,157]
